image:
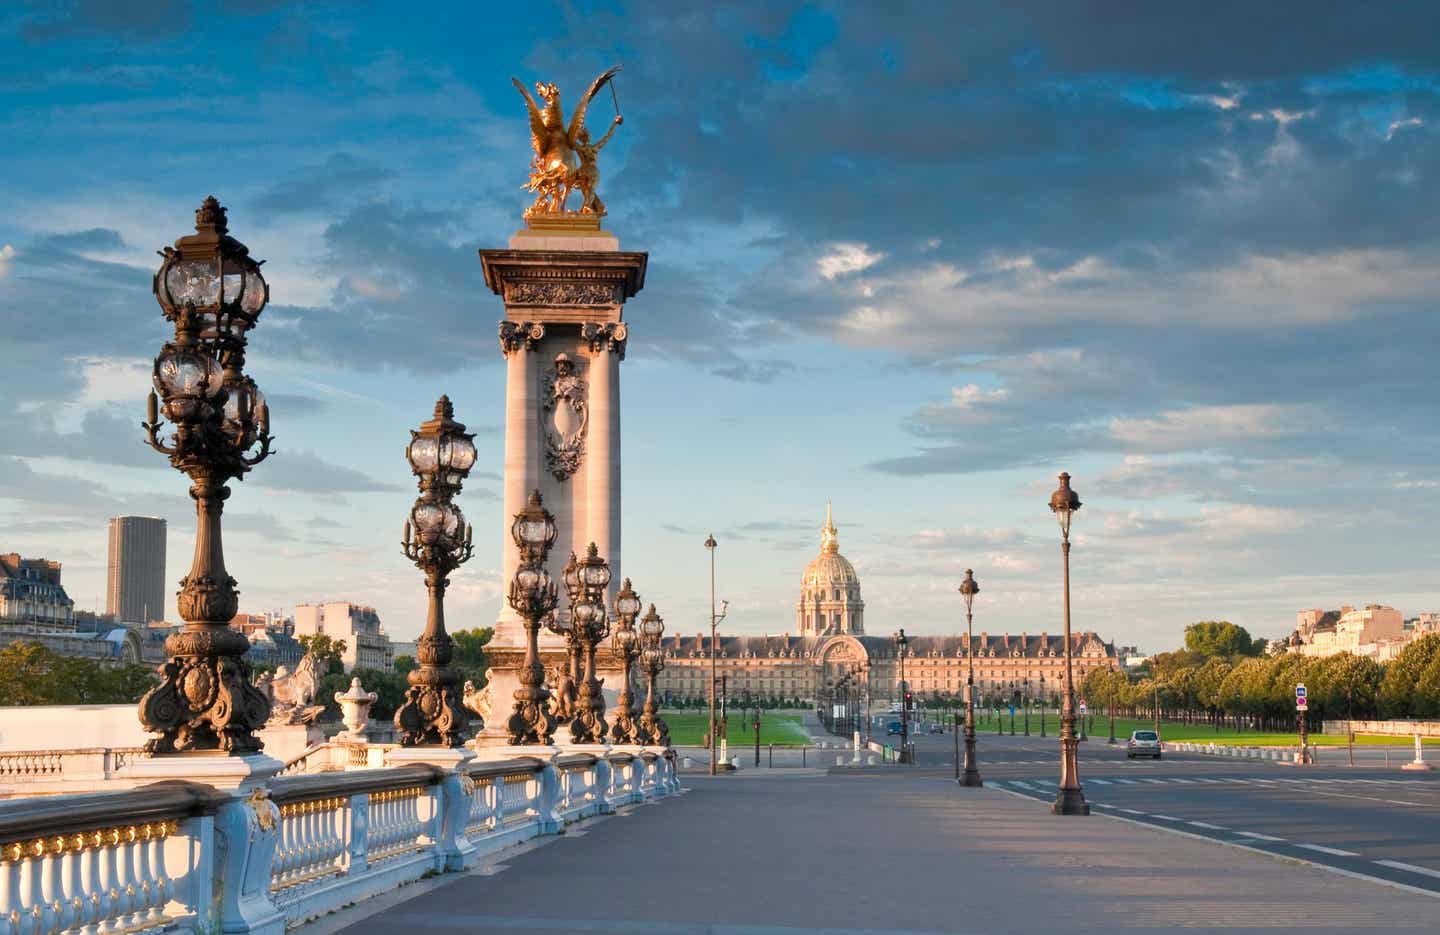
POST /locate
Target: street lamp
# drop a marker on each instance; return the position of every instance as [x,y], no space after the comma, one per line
[1070,799]
[901,642]
[970,776]
[710,546]
[591,621]
[1043,700]
[1014,703]
[211,290]
[440,455]
[653,730]
[532,595]
[564,701]
[627,643]
[1025,699]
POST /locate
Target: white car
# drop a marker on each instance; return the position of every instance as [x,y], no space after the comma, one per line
[1143,743]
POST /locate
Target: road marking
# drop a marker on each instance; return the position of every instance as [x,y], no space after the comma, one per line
[1158,782]
[1328,850]
[1128,782]
[1166,817]
[1398,865]
[1207,825]
[1101,805]
[1100,782]
[1258,836]
[1213,782]
[1189,781]
[1132,811]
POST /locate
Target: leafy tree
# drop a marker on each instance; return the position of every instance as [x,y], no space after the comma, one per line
[470,653]
[327,652]
[404,665]
[30,674]
[1218,638]
[1401,692]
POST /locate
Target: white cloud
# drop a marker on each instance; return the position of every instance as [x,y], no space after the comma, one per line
[845,258]
[1203,426]
[7,253]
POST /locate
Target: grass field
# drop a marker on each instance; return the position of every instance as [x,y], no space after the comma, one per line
[1196,733]
[687,729]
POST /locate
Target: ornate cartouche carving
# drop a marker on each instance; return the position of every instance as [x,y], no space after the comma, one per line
[567,416]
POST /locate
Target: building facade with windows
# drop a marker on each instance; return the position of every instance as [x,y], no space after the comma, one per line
[32,597]
[832,644]
[366,645]
[135,572]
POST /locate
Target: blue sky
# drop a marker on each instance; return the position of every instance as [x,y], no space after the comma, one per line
[913,258]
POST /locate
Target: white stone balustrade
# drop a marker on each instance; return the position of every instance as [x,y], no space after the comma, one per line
[182,855]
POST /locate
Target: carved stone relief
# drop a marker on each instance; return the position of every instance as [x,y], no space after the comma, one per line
[566,417]
[530,292]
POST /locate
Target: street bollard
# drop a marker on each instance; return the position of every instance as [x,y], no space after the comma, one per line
[802,757]
[772,756]
[685,762]
[839,761]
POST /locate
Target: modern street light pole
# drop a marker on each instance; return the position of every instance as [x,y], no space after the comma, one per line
[901,642]
[1110,708]
[710,546]
[1026,699]
[1043,699]
[970,774]
[1014,697]
[1070,799]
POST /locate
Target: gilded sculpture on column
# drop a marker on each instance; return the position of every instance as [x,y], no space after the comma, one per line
[564,158]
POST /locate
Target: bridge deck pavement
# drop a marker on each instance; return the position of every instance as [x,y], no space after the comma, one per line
[793,853]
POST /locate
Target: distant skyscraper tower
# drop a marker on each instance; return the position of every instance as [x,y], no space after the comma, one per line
[135,587]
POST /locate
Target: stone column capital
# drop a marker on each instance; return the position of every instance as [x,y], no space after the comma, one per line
[520,335]
[609,336]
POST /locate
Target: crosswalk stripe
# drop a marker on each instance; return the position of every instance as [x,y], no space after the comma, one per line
[1328,850]
[1101,782]
[1128,782]
[1400,865]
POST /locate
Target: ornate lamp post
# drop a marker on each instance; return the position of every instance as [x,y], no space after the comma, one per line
[710,546]
[1070,799]
[212,292]
[626,728]
[532,595]
[653,730]
[591,621]
[970,776]
[563,701]
[440,454]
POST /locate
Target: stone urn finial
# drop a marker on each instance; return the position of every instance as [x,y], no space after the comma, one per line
[355,710]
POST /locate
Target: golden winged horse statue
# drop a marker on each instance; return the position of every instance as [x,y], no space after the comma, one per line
[564,156]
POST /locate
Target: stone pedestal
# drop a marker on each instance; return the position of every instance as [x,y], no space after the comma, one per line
[236,773]
[286,742]
[564,282]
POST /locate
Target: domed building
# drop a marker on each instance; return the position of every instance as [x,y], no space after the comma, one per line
[830,648]
[830,591]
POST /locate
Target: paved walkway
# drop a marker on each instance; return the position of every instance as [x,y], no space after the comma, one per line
[792,852]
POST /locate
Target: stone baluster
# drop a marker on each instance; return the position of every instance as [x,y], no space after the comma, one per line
[357,838]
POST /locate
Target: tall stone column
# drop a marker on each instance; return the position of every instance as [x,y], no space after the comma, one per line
[602,487]
[564,282]
[518,342]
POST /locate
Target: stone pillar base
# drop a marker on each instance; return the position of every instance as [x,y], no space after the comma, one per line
[222,772]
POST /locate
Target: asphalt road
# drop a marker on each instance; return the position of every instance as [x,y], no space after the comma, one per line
[1382,823]
[876,852]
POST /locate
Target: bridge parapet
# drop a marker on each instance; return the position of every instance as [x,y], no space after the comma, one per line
[180,854]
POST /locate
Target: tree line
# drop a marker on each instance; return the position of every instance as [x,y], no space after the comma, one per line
[1222,677]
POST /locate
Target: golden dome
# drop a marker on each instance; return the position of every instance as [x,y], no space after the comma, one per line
[829,567]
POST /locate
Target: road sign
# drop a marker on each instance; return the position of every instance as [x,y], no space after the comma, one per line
[1083,709]
[1301,699]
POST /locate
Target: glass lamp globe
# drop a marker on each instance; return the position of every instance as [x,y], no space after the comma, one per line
[594,572]
[627,602]
[626,639]
[533,528]
[441,452]
[1064,502]
[212,273]
[652,626]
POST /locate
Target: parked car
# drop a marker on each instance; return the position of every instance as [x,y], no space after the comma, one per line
[893,727]
[1143,743]
[937,728]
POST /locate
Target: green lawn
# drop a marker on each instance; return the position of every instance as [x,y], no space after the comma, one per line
[1199,733]
[687,729]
